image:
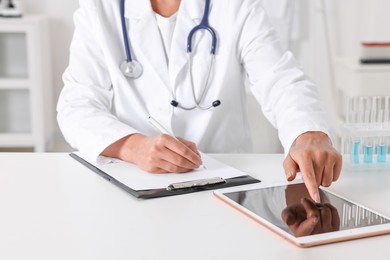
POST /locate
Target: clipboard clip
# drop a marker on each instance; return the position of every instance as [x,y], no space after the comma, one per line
[195,184]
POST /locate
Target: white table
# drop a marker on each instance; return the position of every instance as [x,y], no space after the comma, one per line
[52,207]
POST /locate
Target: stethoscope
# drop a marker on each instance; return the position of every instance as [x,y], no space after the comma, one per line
[133,69]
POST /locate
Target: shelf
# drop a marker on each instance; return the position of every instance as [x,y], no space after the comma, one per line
[16,140]
[7,24]
[13,53]
[364,167]
[15,111]
[11,84]
[26,118]
[357,66]
[354,130]
[354,79]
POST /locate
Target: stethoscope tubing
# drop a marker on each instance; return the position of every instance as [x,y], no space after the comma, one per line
[124,32]
[203,90]
[204,25]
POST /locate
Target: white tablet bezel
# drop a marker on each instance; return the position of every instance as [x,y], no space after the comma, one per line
[306,241]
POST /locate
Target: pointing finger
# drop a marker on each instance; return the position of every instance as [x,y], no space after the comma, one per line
[309,177]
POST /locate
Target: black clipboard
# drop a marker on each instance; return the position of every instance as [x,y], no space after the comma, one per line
[168,191]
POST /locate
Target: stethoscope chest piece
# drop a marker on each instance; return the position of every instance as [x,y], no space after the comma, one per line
[131,69]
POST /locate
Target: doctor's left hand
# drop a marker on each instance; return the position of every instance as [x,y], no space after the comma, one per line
[318,161]
[156,154]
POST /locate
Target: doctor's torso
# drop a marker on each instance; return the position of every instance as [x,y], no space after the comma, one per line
[246,45]
[164,79]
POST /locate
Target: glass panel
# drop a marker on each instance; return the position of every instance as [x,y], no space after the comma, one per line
[14,111]
[291,209]
[13,55]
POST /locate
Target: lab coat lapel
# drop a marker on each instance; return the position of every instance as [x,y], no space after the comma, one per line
[188,17]
[145,37]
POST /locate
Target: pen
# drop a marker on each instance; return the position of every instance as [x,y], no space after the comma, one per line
[160,128]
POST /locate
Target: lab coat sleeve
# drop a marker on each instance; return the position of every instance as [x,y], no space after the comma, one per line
[84,106]
[288,99]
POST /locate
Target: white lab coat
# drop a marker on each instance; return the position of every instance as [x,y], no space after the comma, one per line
[99,105]
[281,15]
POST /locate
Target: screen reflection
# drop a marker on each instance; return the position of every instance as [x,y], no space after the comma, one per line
[291,209]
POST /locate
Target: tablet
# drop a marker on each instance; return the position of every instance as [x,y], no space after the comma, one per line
[288,211]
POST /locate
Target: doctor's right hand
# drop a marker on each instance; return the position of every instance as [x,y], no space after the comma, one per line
[156,154]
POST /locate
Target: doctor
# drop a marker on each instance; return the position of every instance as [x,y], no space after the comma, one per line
[135,62]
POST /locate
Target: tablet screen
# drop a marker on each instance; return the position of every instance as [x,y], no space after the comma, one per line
[291,209]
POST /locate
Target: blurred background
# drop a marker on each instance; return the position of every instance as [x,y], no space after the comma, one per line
[342,45]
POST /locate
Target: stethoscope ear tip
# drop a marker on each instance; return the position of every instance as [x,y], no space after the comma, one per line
[216,103]
[174,103]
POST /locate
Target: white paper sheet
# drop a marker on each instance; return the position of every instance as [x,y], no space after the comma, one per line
[137,179]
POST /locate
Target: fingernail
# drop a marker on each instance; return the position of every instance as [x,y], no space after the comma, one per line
[317,197]
[315,220]
[289,176]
